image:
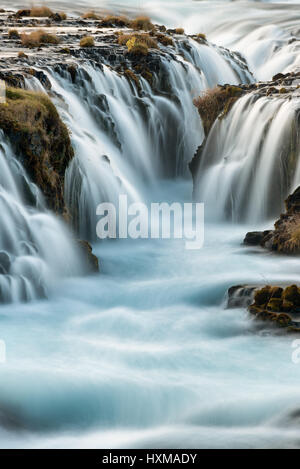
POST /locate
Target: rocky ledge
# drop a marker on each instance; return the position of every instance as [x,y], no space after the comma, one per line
[133,47]
[217,102]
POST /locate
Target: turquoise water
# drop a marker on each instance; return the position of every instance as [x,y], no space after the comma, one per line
[146,353]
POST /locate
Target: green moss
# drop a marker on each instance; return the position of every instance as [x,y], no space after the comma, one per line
[35,129]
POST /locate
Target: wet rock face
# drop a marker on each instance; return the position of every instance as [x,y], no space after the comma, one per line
[240,296]
[285,238]
[105,33]
[255,238]
[90,259]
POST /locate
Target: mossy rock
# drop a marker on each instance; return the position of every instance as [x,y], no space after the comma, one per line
[40,139]
[287,306]
[216,102]
[274,304]
[276,292]
[253,309]
[262,296]
[282,319]
[292,295]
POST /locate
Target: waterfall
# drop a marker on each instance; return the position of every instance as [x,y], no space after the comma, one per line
[127,137]
[220,66]
[249,162]
[35,248]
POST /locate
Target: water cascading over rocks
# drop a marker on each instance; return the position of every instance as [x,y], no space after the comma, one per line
[131,129]
[35,247]
[132,124]
[248,163]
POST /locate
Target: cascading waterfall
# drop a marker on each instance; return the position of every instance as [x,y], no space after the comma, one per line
[35,249]
[220,65]
[249,162]
[266,34]
[145,355]
[124,137]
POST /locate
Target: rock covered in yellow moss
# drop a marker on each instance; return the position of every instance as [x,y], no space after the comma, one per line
[273,303]
[31,122]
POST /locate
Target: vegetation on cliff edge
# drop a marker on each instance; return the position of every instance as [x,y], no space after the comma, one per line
[215,101]
[40,139]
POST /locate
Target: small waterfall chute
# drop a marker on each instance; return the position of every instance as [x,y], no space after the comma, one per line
[249,162]
[35,248]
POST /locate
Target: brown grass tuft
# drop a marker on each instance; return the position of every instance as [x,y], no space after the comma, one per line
[37,38]
[87,41]
[214,101]
[165,40]
[139,38]
[90,15]
[143,23]
[289,241]
[179,31]
[13,34]
[22,55]
[41,12]
[115,20]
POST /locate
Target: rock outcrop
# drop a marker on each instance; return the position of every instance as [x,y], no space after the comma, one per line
[279,305]
[217,102]
[285,238]
[40,138]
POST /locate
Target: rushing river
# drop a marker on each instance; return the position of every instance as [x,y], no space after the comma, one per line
[146,354]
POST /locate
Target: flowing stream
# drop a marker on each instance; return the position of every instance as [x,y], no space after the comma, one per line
[146,354]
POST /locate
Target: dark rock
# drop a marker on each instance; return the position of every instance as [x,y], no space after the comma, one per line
[23,12]
[278,76]
[56,17]
[90,258]
[254,238]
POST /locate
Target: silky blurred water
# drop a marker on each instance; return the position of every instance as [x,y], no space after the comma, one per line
[145,353]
